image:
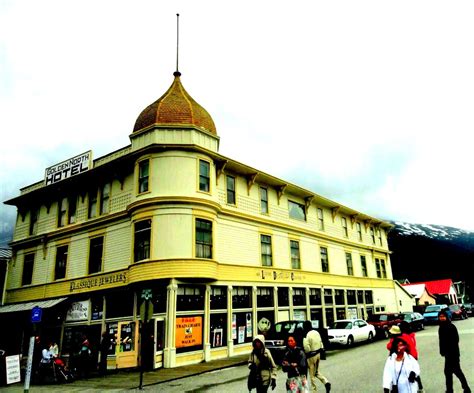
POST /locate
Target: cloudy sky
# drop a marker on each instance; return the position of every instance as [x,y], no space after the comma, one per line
[369,103]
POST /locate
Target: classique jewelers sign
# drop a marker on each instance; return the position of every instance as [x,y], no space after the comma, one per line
[89,283]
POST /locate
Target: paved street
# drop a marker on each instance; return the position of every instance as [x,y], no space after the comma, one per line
[357,369]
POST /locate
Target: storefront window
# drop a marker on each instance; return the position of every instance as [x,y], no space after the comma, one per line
[159,299]
[190,298]
[218,298]
[351,297]
[242,327]
[97,305]
[368,297]
[299,296]
[283,298]
[317,315]
[315,296]
[340,313]
[241,297]
[218,324]
[339,296]
[328,296]
[119,304]
[329,316]
[360,297]
[264,297]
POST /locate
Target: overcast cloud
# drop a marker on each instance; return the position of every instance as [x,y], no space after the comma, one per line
[368,103]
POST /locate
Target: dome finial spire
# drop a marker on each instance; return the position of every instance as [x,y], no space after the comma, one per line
[177,73]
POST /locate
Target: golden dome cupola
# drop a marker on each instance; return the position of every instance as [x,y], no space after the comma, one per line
[175,108]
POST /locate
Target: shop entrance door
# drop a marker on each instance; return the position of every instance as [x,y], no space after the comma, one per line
[159,341]
[126,345]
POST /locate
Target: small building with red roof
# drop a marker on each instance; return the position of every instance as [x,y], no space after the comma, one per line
[443,290]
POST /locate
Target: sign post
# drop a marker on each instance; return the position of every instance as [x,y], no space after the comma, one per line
[146,296]
[36,314]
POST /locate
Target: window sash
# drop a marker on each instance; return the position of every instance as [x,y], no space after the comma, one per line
[72,202]
[344,226]
[105,199]
[350,269]
[359,230]
[263,200]
[324,260]
[34,214]
[142,240]
[266,245]
[203,239]
[61,262]
[204,177]
[28,267]
[297,210]
[92,212]
[295,254]
[320,219]
[143,175]
[363,265]
[96,248]
[230,181]
[62,212]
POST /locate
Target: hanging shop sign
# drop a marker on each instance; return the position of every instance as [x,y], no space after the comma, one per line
[79,311]
[188,331]
[69,168]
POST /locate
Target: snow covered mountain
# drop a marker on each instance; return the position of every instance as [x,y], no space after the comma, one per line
[429,252]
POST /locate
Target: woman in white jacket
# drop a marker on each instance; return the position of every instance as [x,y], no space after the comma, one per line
[401,369]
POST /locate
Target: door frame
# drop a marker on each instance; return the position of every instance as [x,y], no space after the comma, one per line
[126,359]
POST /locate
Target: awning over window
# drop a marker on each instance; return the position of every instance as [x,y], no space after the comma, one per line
[28,306]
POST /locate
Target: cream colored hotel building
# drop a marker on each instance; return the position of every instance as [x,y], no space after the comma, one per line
[224,248]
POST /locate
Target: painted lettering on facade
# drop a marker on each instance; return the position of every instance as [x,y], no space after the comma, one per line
[71,167]
[274,275]
[89,283]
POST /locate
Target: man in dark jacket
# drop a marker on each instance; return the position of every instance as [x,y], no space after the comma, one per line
[449,348]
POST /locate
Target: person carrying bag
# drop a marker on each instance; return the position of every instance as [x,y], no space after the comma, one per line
[262,367]
[294,364]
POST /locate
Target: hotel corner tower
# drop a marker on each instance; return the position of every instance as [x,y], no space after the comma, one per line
[205,249]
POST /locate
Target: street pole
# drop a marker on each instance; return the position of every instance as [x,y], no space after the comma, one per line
[147,294]
[29,364]
[144,322]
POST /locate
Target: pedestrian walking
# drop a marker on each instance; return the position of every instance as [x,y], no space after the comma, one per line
[449,349]
[104,351]
[262,367]
[401,370]
[404,331]
[313,347]
[294,364]
[85,355]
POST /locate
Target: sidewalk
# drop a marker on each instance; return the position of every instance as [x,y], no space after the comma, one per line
[128,380]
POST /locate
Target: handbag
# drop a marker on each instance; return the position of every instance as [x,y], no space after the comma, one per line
[395,385]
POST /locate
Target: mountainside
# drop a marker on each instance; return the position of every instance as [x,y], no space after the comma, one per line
[431,252]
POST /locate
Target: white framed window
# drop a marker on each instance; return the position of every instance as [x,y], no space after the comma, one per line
[263,200]
[320,219]
[295,254]
[266,247]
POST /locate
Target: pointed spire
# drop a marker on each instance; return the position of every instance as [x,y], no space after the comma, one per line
[177,73]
